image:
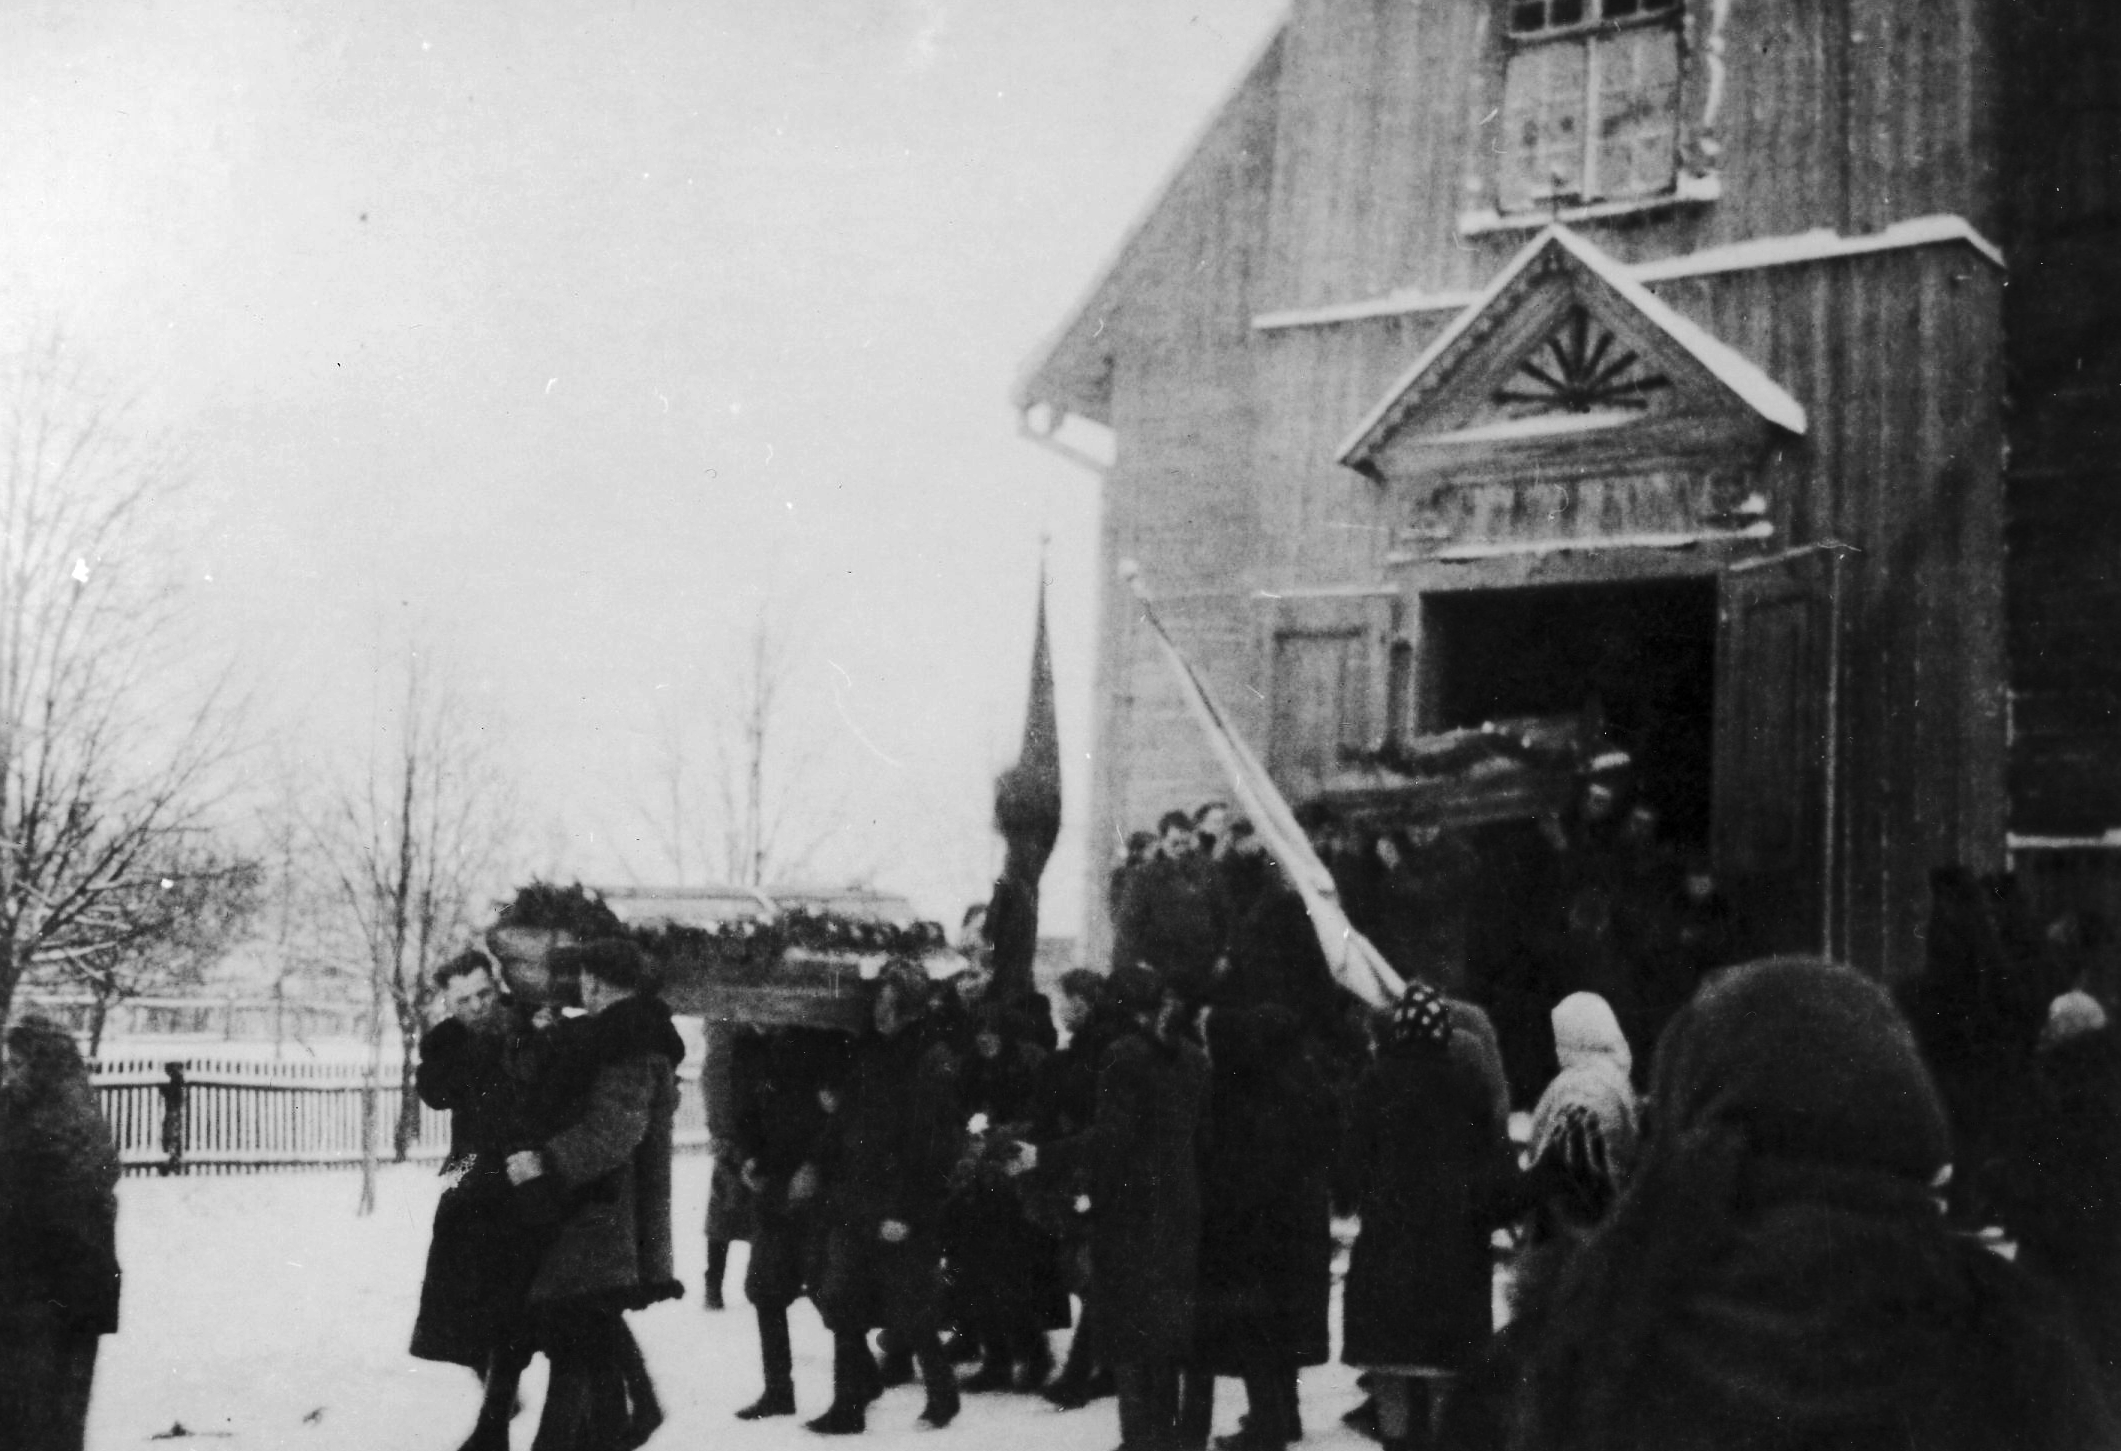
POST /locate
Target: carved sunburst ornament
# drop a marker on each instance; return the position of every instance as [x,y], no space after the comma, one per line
[1582,368]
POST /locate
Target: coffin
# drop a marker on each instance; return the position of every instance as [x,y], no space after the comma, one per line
[1511,770]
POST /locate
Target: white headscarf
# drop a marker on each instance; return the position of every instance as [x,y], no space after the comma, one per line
[1591,1102]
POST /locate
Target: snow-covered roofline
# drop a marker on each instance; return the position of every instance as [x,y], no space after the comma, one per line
[1820,244]
[1730,368]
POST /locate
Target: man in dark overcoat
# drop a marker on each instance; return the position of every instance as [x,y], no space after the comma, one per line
[1173,920]
[779,1116]
[477,1270]
[1266,1232]
[1140,1160]
[59,1274]
[894,1144]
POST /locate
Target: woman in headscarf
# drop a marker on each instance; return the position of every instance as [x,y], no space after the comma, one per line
[1777,1273]
[1584,1130]
[58,1254]
[1425,1150]
[1584,1142]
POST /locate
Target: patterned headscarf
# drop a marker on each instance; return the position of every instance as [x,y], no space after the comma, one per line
[1419,1020]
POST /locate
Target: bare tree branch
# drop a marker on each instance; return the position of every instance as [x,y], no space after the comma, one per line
[107,761]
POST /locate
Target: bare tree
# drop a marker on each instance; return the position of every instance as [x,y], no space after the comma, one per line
[413,845]
[163,932]
[106,759]
[300,935]
[740,790]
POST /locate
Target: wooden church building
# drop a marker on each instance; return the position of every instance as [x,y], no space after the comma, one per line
[1751,366]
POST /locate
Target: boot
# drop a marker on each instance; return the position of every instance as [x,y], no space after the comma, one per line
[994,1373]
[487,1435]
[717,1267]
[1036,1364]
[777,1401]
[941,1380]
[498,1403]
[1196,1409]
[640,1410]
[843,1419]
[896,1369]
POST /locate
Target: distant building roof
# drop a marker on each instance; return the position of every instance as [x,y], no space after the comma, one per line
[713,905]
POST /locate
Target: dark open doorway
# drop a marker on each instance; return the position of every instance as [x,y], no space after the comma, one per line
[1645,654]
[1579,905]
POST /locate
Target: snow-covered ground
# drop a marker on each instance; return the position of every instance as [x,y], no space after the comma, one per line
[260,1312]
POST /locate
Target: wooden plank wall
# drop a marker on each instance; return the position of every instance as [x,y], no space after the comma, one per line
[1339,173]
[1847,116]
[2061,224]
[1179,499]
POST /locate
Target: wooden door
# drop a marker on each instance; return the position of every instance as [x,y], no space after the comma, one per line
[1777,705]
[1329,664]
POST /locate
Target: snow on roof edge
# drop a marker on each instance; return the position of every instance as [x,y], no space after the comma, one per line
[1818,244]
[1020,394]
[1359,437]
[1731,368]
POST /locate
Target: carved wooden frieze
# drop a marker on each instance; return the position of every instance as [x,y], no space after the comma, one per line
[1536,509]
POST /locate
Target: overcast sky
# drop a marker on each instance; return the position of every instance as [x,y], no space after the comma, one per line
[555,336]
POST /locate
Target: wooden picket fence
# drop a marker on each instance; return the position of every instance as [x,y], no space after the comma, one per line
[207,1116]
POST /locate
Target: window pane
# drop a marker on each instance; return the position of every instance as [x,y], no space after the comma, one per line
[1638,98]
[1543,119]
[1529,17]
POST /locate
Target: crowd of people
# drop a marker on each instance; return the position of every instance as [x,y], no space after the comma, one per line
[1808,1212]
[1728,1232]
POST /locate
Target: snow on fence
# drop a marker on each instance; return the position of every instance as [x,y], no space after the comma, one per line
[208,1116]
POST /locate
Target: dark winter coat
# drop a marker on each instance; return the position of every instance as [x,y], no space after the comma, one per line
[1266,1246]
[890,1154]
[1425,1151]
[2062,1199]
[1173,921]
[1776,1276]
[1275,956]
[1003,1269]
[58,1251]
[778,1123]
[610,1166]
[732,1059]
[482,1256]
[1140,1160]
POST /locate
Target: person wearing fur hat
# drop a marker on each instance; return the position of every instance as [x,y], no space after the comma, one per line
[891,1151]
[1140,1159]
[600,1112]
[2061,1194]
[1424,1151]
[58,1253]
[1777,1273]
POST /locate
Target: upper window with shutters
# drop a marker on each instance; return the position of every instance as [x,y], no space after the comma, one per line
[1590,106]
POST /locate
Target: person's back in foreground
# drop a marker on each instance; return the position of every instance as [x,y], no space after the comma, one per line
[1778,1273]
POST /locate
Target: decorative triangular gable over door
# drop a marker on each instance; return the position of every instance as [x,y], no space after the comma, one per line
[1565,350]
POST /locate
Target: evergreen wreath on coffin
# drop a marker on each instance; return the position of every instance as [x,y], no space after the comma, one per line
[804,967]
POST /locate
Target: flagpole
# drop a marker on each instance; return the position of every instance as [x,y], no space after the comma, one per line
[1354,960]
